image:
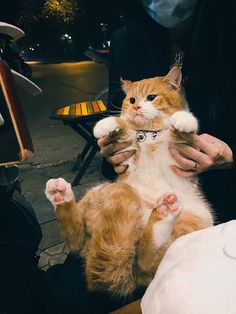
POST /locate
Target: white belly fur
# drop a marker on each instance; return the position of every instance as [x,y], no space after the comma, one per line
[152,176]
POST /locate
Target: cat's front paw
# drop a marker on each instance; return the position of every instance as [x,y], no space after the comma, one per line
[168,205]
[58,191]
[105,127]
[184,121]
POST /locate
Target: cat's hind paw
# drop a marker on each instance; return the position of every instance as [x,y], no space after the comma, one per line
[58,191]
[168,204]
[105,127]
[184,121]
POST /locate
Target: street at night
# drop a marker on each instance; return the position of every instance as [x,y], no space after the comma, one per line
[63,47]
[62,84]
[56,146]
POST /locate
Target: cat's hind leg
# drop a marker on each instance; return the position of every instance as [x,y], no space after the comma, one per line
[58,191]
[157,232]
[69,214]
[168,203]
[112,250]
[188,222]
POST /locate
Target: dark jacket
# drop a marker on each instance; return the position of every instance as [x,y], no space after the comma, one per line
[141,49]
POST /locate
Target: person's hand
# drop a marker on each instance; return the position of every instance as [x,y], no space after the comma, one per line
[110,149]
[202,153]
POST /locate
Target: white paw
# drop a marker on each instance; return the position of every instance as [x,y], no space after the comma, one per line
[105,127]
[58,191]
[184,121]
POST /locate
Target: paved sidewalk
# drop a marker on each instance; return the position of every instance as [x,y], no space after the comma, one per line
[52,249]
[56,145]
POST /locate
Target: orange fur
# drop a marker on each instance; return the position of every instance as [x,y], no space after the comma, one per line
[186,223]
[148,257]
[168,101]
[107,227]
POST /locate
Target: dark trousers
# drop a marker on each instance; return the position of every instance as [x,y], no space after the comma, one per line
[64,291]
[24,289]
[19,238]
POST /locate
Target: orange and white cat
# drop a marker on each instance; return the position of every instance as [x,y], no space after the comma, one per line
[123,229]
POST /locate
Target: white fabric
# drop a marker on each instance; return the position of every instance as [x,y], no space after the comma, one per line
[197,275]
[11,30]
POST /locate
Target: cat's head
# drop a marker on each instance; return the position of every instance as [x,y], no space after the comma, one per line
[153,98]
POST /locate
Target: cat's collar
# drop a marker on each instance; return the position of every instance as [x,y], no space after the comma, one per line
[141,135]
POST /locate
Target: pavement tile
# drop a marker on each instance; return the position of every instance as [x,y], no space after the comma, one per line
[53,256]
[44,260]
[51,235]
[57,259]
[57,146]
[54,250]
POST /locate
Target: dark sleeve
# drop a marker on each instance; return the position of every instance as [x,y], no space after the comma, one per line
[130,59]
[108,170]
[117,65]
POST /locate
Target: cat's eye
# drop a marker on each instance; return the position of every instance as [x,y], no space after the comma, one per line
[151,97]
[132,100]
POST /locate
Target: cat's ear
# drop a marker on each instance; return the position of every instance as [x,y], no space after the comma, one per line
[125,84]
[175,76]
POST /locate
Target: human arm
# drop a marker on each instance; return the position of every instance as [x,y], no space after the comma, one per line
[204,152]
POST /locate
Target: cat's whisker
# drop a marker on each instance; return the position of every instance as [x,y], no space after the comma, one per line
[112,111]
[114,106]
[109,115]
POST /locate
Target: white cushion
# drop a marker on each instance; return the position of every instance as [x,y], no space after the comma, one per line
[197,275]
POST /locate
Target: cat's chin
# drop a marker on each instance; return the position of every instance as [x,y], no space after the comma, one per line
[141,121]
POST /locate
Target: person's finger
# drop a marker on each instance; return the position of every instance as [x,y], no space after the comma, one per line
[207,137]
[183,162]
[106,140]
[193,153]
[120,169]
[117,159]
[113,137]
[183,173]
[113,148]
[200,142]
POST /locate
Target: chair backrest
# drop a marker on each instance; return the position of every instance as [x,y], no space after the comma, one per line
[15,140]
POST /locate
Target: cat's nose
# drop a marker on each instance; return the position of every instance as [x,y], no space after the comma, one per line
[136,107]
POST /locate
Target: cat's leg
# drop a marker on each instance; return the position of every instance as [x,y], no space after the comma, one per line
[112,248]
[58,191]
[184,121]
[108,126]
[69,214]
[188,222]
[157,233]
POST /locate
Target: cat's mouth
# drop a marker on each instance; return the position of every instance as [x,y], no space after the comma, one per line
[140,116]
[148,121]
[137,116]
